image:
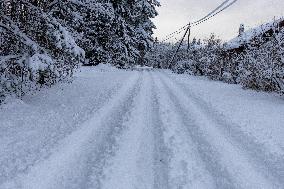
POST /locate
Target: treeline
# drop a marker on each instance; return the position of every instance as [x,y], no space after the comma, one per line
[258,65]
[44,41]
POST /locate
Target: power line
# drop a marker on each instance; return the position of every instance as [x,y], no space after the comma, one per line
[184,27]
[211,15]
[207,17]
[229,5]
[212,12]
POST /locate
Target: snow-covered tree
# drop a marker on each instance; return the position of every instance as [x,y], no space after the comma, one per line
[132,30]
[98,32]
[159,55]
[143,12]
[44,41]
[37,49]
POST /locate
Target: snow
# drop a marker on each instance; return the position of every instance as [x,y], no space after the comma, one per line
[142,128]
[230,152]
[23,37]
[3,59]
[135,145]
[66,41]
[30,128]
[258,114]
[40,62]
[104,68]
[186,168]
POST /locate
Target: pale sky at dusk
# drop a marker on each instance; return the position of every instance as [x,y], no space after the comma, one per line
[174,14]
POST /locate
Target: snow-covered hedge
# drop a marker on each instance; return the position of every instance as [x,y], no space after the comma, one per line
[259,66]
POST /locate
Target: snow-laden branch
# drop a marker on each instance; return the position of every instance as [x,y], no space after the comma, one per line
[13,28]
[64,40]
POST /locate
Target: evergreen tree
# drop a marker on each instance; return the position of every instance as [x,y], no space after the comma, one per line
[98,32]
[37,49]
[143,12]
[44,41]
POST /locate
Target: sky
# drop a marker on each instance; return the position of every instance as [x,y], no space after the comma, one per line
[174,14]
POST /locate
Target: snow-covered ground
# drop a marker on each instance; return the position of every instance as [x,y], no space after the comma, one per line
[142,129]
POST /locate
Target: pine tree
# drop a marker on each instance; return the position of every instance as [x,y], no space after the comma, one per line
[143,12]
[98,32]
[132,30]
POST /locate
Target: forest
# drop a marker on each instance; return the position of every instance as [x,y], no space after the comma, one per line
[44,41]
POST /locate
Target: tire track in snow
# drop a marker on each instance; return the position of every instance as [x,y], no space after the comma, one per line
[135,165]
[161,152]
[22,151]
[272,166]
[186,168]
[82,153]
[231,159]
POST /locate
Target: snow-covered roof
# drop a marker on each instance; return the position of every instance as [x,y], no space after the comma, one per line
[247,36]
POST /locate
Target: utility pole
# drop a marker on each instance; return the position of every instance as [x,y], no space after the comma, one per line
[173,58]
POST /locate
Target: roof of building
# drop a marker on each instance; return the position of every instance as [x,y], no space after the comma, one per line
[251,34]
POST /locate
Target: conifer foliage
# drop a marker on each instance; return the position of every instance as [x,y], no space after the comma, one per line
[44,41]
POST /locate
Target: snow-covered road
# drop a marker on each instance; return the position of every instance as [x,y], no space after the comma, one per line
[142,129]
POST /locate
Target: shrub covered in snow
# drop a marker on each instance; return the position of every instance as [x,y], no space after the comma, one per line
[260,66]
[255,60]
[186,66]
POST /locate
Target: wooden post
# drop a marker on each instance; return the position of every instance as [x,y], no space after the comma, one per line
[173,58]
